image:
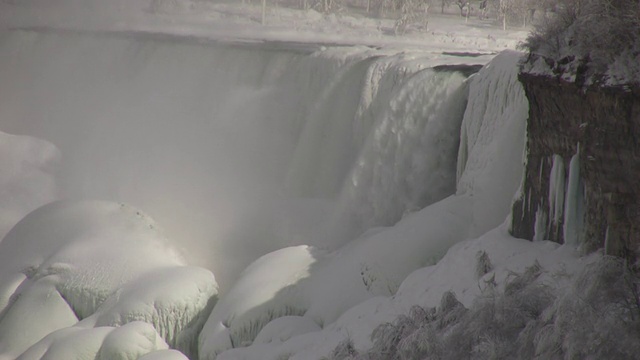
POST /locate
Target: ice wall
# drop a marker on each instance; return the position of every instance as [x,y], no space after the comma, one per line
[236,150]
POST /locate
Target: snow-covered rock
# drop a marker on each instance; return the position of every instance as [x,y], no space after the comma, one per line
[128,342]
[37,311]
[284,328]
[266,290]
[175,300]
[108,265]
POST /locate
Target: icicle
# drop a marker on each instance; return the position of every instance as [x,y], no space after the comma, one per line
[540,225]
[573,201]
[556,190]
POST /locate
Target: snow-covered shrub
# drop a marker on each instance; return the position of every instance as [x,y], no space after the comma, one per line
[596,317]
[344,351]
[586,36]
[599,318]
[483,264]
[387,338]
[490,329]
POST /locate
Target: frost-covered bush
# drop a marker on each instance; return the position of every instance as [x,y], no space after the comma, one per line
[586,36]
[597,317]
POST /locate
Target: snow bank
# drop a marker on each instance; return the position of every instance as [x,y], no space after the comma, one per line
[175,300]
[93,247]
[284,328]
[37,311]
[127,342]
[239,20]
[266,290]
[457,272]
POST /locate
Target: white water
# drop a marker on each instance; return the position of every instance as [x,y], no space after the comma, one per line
[236,151]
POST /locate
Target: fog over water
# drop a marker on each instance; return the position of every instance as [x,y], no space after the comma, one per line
[236,150]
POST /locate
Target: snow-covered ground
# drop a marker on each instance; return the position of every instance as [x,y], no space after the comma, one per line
[233,21]
[363,180]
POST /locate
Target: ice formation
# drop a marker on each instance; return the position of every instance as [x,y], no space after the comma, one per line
[556,190]
[573,214]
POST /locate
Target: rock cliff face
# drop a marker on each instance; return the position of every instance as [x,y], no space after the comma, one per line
[582,176]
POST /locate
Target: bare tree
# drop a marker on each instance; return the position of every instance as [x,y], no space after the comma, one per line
[462,4]
[443,4]
[412,12]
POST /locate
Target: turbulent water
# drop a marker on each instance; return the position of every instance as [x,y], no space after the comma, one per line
[237,150]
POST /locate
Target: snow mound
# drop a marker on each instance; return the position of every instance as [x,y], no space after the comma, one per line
[265,290]
[37,311]
[176,301]
[128,342]
[284,328]
[455,278]
[106,264]
[164,355]
[94,247]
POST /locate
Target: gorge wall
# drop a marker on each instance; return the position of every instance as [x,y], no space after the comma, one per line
[582,166]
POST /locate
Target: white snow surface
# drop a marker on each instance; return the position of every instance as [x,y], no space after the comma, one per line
[265,290]
[424,287]
[127,342]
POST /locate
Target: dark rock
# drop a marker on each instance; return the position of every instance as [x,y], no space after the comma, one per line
[604,123]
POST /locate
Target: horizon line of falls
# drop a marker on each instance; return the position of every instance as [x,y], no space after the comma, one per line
[237,150]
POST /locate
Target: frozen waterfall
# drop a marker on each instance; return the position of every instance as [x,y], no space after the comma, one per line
[290,172]
[237,150]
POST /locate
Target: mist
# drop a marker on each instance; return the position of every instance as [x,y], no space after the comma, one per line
[197,136]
